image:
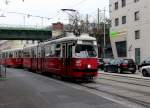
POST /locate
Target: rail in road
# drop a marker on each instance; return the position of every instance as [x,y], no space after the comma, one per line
[121,99]
[134,91]
[128,91]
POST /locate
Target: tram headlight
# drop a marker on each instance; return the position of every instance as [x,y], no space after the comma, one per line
[88,66]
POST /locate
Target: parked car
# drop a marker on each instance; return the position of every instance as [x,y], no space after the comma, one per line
[120,65]
[144,67]
[145,70]
[146,62]
[100,63]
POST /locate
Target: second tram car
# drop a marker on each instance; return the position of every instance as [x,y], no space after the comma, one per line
[12,57]
[28,56]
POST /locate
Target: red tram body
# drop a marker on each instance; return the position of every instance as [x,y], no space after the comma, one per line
[70,56]
[28,56]
[12,58]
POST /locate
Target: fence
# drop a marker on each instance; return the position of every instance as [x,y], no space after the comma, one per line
[2,72]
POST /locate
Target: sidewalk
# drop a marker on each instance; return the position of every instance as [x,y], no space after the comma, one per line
[137,75]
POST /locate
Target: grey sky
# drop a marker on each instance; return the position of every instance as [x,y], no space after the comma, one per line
[46,8]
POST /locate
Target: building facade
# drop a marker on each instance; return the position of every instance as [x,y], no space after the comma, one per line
[99,35]
[11,44]
[129,33]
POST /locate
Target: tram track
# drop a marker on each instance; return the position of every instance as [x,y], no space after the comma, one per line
[139,102]
[110,95]
[126,82]
[142,100]
[125,88]
[132,80]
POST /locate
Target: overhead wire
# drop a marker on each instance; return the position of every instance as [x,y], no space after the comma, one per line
[77,4]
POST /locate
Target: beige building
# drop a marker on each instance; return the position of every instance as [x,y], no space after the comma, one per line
[130,28]
[11,44]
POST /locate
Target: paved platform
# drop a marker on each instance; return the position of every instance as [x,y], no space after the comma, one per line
[23,89]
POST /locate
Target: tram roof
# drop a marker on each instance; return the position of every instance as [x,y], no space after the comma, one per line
[72,37]
[15,49]
[30,46]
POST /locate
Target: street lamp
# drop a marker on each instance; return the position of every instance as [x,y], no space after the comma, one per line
[104,31]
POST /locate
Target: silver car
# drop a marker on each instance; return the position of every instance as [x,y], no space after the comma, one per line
[145,70]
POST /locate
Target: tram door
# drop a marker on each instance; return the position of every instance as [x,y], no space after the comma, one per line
[64,56]
[67,58]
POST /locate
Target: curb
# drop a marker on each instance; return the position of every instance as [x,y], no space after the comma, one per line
[124,75]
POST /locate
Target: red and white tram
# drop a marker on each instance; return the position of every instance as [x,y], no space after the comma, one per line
[28,56]
[12,57]
[69,56]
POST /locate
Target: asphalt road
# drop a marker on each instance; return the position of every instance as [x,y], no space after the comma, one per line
[23,89]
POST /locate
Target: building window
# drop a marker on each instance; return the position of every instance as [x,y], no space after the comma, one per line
[116,5]
[137,55]
[137,34]
[136,15]
[136,1]
[123,3]
[123,19]
[116,21]
[121,48]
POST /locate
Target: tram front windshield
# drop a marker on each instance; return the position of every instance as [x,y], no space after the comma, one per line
[85,51]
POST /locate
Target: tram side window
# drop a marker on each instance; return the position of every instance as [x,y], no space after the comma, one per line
[6,55]
[39,52]
[20,54]
[42,51]
[58,50]
[50,50]
[10,55]
[63,52]
[3,55]
[47,51]
[69,51]
[33,53]
[53,50]
[26,54]
[16,54]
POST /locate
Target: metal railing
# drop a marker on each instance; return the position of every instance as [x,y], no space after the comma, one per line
[3,72]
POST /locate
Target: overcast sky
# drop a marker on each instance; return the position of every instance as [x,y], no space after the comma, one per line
[46,8]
